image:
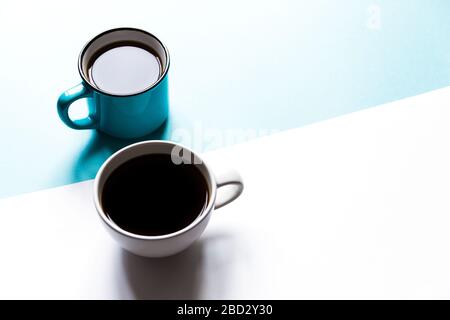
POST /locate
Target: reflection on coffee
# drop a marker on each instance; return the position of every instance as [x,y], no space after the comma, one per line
[125,70]
[150,195]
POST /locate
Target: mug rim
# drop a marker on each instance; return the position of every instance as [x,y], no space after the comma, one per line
[193,224]
[86,46]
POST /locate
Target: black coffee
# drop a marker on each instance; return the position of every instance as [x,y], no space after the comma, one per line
[150,195]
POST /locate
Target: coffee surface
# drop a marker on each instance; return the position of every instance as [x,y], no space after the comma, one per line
[125,70]
[150,195]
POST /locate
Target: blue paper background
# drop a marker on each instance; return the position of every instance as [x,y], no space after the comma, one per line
[254,65]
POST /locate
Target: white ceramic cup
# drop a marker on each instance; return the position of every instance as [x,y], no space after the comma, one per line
[168,244]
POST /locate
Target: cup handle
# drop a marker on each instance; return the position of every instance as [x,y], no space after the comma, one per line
[233,179]
[66,99]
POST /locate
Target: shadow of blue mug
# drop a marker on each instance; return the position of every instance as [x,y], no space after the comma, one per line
[123,115]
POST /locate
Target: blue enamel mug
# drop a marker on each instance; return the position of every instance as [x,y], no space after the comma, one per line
[122,115]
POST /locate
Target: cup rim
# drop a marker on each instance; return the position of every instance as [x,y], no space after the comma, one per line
[193,224]
[86,46]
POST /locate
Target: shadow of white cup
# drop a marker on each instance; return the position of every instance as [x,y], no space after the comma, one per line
[172,243]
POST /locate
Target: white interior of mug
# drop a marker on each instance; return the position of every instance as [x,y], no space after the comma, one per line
[121,37]
[145,148]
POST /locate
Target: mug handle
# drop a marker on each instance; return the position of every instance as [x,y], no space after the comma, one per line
[66,99]
[233,179]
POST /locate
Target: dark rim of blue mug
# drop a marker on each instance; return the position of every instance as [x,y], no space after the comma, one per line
[86,81]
